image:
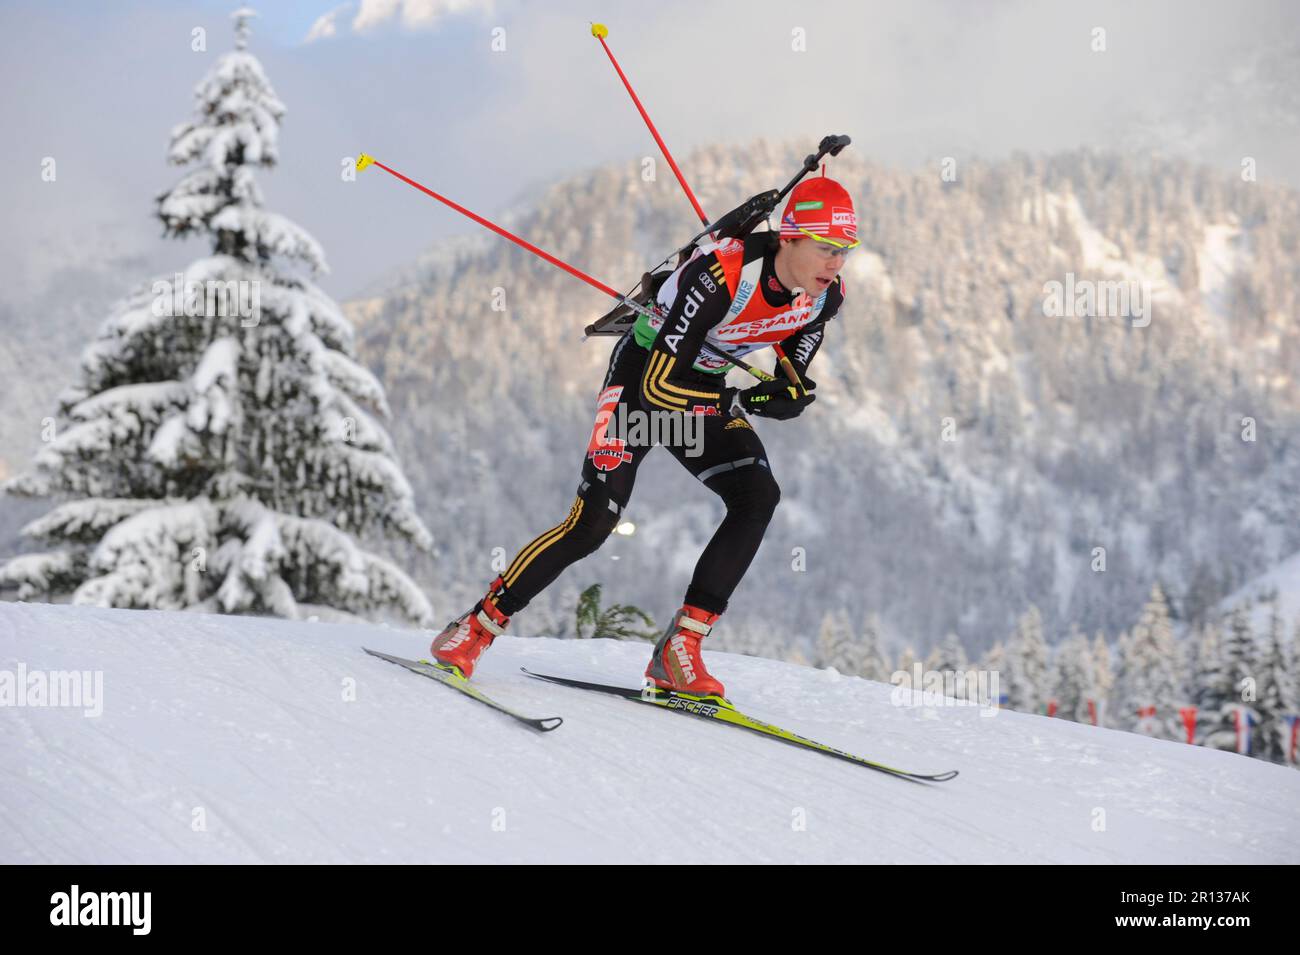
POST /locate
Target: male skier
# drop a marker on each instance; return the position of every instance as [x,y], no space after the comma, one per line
[730,298]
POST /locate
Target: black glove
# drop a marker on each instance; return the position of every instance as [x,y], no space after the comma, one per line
[777,399]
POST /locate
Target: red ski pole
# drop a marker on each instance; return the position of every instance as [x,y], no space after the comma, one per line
[600,31]
[364,161]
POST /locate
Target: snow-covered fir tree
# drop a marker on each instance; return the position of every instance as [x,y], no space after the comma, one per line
[994,661]
[835,646]
[1277,694]
[220,451]
[1105,673]
[948,658]
[871,659]
[905,664]
[1115,715]
[948,655]
[1148,676]
[797,655]
[1076,678]
[1206,675]
[1027,664]
[1233,688]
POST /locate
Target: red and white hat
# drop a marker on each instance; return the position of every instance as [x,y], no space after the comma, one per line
[820,208]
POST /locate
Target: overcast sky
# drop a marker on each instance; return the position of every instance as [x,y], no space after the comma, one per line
[98,86]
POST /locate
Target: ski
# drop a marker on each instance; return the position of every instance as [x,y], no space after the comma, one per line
[451,678]
[715,708]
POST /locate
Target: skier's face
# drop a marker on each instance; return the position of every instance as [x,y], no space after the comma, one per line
[813,265]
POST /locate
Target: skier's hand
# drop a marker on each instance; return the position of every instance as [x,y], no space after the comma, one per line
[730,401]
[777,399]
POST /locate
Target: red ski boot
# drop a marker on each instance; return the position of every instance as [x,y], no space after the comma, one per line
[465,638]
[676,663]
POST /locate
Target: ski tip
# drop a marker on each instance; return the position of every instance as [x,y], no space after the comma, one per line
[599,30]
[363,161]
[546,724]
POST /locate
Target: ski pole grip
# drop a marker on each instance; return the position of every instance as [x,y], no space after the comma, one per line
[788,367]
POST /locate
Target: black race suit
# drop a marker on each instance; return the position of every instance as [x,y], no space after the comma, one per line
[733,464]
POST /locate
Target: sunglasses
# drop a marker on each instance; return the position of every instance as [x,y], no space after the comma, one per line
[829,248]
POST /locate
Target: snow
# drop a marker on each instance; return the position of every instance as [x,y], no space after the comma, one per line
[35,572]
[87,439]
[1284,579]
[87,518]
[271,233]
[249,721]
[865,415]
[194,199]
[220,360]
[1218,259]
[868,267]
[145,399]
[1102,255]
[141,559]
[354,380]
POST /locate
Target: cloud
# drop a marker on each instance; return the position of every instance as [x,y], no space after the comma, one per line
[374,12]
[325,25]
[414,14]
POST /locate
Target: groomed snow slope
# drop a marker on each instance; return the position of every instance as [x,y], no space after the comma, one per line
[243,724]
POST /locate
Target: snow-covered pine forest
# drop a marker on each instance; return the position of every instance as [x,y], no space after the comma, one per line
[1228,683]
